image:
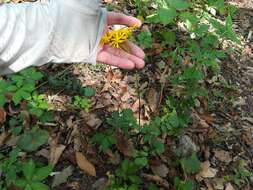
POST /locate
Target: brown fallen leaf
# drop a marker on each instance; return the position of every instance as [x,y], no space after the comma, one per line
[2,115]
[160,170]
[223,156]
[229,187]
[62,176]
[208,185]
[218,183]
[208,118]
[153,99]
[207,171]
[92,120]
[3,137]
[85,165]
[247,138]
[56,151]
[124,145]
[158,180]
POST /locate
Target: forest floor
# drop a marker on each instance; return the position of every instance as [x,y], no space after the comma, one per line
[222,137]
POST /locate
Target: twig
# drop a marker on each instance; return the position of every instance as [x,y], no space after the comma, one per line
[137,77]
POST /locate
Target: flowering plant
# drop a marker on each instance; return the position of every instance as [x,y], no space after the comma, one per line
[115,38]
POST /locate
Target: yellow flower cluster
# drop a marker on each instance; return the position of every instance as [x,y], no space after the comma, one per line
[116,37]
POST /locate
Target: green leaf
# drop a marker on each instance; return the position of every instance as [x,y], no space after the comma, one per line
[31,73]
[105,140]
[191,165]
[42,173]
[19,96]
[89,92]
[39,186]
[28,87]
[190,20]
[28,187]
[178,4]
[183,185]
[28,170]
[21,183]
[123,120]
[169,37]
[32,140]
[141,161]
[2,100]
[158,147]
[166,15]
[145,39]
[3,86]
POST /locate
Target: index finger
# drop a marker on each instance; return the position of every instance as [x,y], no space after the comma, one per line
[122,19]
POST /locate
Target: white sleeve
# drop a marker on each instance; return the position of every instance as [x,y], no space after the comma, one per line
[60,31]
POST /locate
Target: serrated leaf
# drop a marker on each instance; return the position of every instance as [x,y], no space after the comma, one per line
[2,100]
[28,170]
[21,183]
[88,92]
[39,186]
[28,187]
[42,173]
[178,4]
[32,140]
[183,185]
[166,15]
[191,165]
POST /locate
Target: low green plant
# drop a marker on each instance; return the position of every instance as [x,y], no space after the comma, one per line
[38,106]
[183,184]
[32,139]
[191,164]
[82,102]
[24,83]
[10,166]
[105,140]
[123,120]
[241,172]
[125,177]
[32,176]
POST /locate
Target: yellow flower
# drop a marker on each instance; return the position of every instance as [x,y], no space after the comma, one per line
[115,38]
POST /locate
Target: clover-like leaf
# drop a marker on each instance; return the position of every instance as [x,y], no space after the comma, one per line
[32,140]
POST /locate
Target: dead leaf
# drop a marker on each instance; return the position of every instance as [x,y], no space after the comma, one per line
[208,185]
[229,187]
[218,183]
[223,155]
[114,158]
[3,137]
[44,153]
[160,170]
[93,121]
[208,118]
[137,104]
[2,115]
[247,138]
[85,165]
[207,171]
[56,151]
[124,145]
[62,177]
[153,99]
[100,184]
[158,180]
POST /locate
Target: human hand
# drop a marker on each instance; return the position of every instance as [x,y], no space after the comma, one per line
[130,59]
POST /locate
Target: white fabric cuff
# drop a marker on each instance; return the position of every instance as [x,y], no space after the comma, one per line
[60,31]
